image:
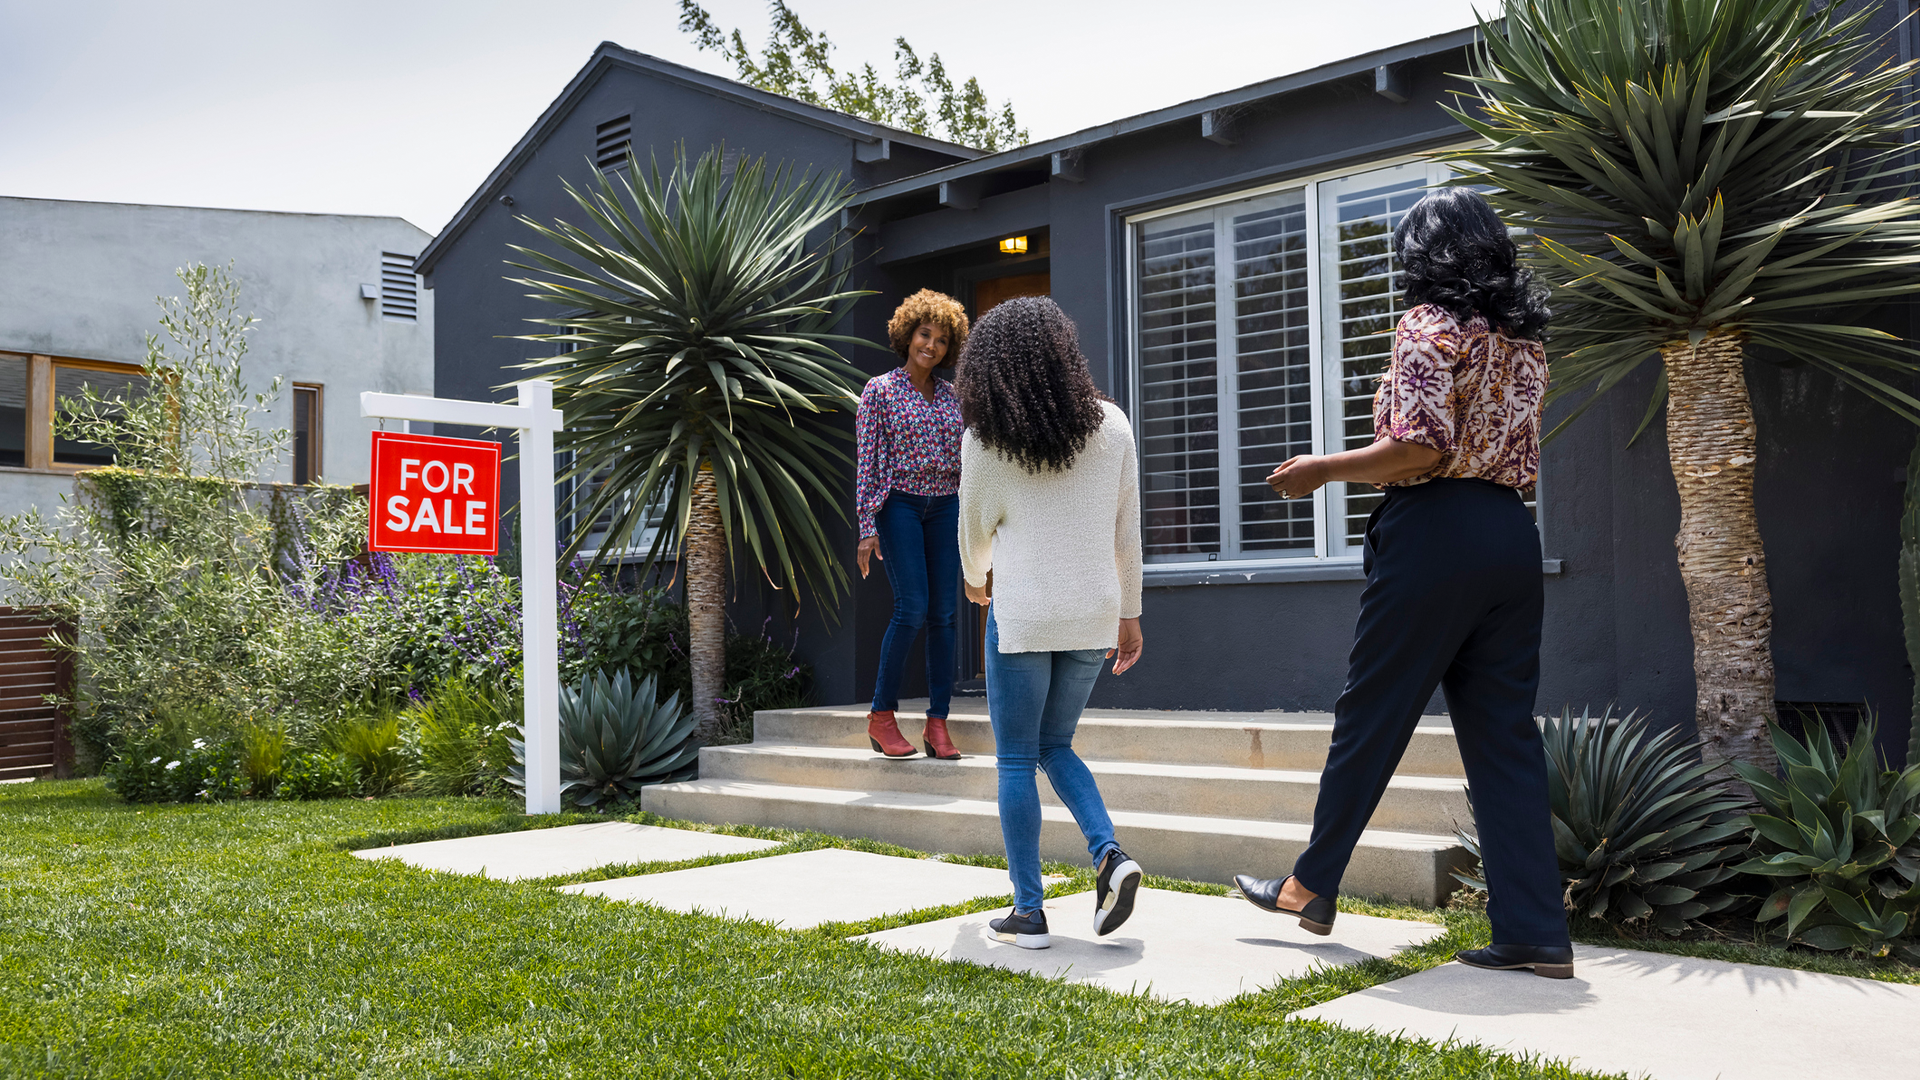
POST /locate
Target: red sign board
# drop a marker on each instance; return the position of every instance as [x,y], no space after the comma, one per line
[434,494]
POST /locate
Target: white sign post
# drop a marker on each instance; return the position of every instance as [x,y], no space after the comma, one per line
[536,420]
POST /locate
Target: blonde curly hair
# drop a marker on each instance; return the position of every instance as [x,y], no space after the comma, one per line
[927,306]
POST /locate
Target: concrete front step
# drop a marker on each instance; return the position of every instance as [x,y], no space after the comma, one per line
[1403,866]
[1295,741]
[1416,804]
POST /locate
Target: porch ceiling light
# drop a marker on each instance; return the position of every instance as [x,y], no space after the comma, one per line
[1013,245]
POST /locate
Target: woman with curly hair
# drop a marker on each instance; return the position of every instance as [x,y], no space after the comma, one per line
[1453,596]
[908,431]
[1049,503]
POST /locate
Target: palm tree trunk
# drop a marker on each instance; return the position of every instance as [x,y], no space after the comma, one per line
[1711,447]
[706,569]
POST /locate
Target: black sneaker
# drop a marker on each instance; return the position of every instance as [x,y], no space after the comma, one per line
[1113,892]
[1026,931]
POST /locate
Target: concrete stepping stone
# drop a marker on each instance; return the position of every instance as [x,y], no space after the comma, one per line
[570,849]
[1177,946]
[808,888]
[1666,1017]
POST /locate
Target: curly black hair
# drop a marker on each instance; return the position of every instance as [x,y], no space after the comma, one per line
[1457,256]
[1024,386]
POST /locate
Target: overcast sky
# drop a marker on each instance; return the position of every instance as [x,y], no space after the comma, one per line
[403,106]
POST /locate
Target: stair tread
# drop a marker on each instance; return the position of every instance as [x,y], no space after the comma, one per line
[1228,773]
[908,800]
[977,710]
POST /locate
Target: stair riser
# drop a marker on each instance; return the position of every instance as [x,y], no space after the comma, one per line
[1411,876]
[1432,751]
[1400,810]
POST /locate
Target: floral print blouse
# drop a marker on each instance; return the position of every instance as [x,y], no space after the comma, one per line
[905,443]
[1468,391]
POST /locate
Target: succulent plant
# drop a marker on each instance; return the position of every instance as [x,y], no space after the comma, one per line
[1640,831]
[1840,838]
[614,737]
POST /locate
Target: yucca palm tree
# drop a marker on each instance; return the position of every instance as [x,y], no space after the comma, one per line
[701,378]
[1705,176]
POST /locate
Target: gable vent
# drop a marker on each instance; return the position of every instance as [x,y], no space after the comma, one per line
[611,141]
[399,288]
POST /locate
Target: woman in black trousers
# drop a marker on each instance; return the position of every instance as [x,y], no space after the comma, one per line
[1453,596]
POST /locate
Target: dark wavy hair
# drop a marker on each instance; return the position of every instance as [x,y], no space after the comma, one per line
[1456,255]
[1024,386]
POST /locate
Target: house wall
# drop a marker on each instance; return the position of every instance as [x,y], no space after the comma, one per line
[82,277]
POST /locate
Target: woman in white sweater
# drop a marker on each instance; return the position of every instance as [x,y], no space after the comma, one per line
[1049,504]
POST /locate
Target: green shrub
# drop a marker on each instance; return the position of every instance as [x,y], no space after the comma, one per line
[459,737]
[1640,831]
[151,769]
[371,741]
[1839,841]
[615,737]
[263,753]
[316,774]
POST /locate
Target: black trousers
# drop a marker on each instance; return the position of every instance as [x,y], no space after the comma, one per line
[1453,600]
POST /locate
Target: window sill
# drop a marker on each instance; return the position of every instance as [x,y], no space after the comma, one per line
[1267,575]
[57,470]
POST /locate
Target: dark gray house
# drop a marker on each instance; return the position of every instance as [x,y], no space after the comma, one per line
[1225,260]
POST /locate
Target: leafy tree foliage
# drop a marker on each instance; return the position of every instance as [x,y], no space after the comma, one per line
[922,97]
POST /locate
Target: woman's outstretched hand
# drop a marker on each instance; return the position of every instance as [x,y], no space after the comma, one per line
[1131,643]
[1299,477]
[868,546]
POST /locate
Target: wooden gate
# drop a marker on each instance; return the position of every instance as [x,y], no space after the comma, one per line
[33,734]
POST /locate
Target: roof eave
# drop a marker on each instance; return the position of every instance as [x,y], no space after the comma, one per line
[1189,110]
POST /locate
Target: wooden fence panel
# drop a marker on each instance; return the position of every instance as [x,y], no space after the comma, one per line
[33,733]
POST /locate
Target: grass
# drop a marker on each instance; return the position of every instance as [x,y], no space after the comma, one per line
[240,940]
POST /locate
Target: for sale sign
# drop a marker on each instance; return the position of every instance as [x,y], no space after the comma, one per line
[434,494]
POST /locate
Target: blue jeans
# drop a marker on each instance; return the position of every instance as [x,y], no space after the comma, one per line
[920,548]
[1035,699]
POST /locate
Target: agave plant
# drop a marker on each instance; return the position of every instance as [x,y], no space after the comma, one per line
[1841,840]
[615,735]
[699,376]
[1703,176]
[1639,830]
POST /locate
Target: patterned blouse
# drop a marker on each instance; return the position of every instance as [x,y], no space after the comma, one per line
[906,443]
[1467,391]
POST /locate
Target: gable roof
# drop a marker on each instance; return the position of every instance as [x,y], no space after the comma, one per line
[609,56]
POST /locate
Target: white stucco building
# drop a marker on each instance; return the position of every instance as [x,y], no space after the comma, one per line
[340,311]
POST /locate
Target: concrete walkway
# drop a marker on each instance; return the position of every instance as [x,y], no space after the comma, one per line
[571,849]
[1176,947]
[1646,1014]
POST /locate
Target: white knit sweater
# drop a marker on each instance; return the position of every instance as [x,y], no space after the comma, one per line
[1064,547]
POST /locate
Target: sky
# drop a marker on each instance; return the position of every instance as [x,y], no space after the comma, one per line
[402,107]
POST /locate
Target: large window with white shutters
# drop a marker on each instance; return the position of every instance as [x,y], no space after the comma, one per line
[1261,324]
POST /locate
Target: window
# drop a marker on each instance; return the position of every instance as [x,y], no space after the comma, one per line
[399,288]
[611,141]
[113,382]
[306,433]
[1262,323]
[13,410]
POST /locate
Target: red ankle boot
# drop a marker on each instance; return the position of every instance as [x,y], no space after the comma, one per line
[885,735]
[937,743]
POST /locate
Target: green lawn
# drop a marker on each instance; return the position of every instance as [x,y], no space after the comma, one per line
[241,940]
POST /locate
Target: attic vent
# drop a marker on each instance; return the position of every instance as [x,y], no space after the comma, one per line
[399,288]
[611,141]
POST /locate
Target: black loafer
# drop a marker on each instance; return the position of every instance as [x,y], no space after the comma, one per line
[1547,961]
[1264,893]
